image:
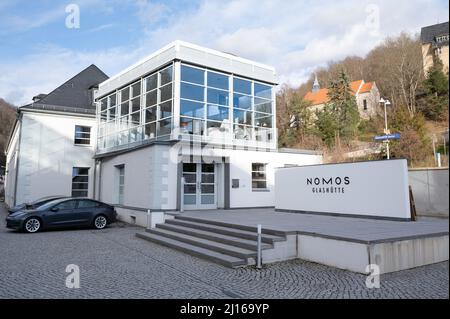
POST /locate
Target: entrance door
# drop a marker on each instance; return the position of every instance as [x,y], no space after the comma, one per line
[200,186]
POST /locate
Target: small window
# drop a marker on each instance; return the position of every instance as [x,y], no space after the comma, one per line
[365,105]
[82,135]
[120,184]
[259,176]
[80,181]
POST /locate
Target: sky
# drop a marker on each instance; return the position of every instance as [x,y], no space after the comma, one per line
[43,44]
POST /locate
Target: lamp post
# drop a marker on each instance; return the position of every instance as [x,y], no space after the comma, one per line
[386,131]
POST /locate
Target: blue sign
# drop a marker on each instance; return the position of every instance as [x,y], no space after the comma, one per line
[386,137]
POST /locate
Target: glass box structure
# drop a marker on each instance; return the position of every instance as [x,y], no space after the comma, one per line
[186,92]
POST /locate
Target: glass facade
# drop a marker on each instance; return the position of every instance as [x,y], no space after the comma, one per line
[222,105]
[140,111]
[212,105]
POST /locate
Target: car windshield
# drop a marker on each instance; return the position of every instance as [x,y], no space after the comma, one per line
[44,199]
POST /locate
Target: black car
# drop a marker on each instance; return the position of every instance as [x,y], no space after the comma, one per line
[63,213]
[35,204]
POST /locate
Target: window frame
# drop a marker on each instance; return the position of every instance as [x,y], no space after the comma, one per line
[263,179]
[78,182]
[75,138]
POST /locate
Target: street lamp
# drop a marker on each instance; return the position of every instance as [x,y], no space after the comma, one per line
[386,131]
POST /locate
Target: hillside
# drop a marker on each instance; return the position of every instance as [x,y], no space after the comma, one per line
[7,116]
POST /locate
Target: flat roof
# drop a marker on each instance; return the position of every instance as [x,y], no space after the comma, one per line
[194,54]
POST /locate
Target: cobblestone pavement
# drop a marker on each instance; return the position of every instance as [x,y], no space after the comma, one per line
[115,264]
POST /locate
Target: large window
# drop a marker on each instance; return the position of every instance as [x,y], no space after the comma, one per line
[259,176]
[142,110]
[80,181]
[82,135]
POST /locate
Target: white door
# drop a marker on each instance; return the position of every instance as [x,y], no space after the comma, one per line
[200,186]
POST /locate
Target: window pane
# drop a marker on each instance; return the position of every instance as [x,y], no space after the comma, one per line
[263,120]
[82,141]
[165,127]
[207,178]
[207,189]
[259,184]
[135,104]
[103,104]
[150,131]
[207,168]
[217,113]
[166,92]
[263,135]
[217,80]
[79,193]
[262,105]
[125,94]
[207,199]
[111,113]
[166,75]
[242,117]
[151,98]
[190,178]
[124,109]
[192,92]
[192,109]
[151,82]
[191,126]
[87,204]
[217,97]
[190,189]
[258,175]
[242,101]
[80,171]
[189,167]
[242,86]
[80,186]
[242,132]
[264,91]
[70,204]
[136,89]
[112,100]
[217,129]
[136,118]
[165,109]
[192,75]
[258,167]
[150,114]
[190,199]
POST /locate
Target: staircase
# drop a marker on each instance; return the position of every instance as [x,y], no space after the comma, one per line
[227,244]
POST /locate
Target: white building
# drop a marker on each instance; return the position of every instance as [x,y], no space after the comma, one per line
[187,111]
[52,144]
[184,111]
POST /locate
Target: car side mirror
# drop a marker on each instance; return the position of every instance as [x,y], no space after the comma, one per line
[54,209]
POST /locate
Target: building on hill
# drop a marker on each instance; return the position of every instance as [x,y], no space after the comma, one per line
[366,93]
[435,39]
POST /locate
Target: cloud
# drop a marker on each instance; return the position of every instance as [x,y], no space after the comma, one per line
[294,36]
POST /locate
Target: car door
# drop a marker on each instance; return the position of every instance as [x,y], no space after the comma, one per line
[84,211]
[62,214]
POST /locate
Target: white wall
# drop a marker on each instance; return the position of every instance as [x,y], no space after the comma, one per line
[48,154]
[150,180]
[11,165]
[375,188]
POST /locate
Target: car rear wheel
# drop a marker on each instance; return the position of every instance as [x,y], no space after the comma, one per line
[32,225]
[100,222]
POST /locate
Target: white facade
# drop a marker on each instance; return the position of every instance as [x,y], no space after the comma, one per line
[42,154]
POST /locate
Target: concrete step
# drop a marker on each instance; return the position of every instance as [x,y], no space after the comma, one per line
[245,234]
[213,236]
[205,243]
[220,258]
[278,233]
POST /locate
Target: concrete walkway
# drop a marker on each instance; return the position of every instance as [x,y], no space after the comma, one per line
[350,229]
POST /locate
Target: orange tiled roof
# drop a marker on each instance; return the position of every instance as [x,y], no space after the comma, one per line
[321,96]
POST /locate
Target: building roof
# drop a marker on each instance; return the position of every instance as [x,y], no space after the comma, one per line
[430,33]
[321,96]
[74,95]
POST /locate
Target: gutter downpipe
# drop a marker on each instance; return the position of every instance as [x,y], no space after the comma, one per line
[19,119]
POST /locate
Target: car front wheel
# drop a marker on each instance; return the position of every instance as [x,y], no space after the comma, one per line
[100,222]
[32,225]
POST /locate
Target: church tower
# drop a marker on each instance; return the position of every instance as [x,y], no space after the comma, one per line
[316,85]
